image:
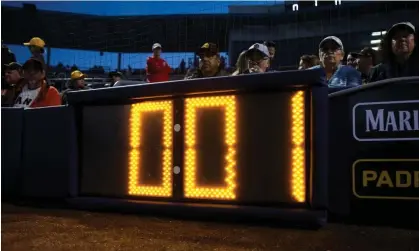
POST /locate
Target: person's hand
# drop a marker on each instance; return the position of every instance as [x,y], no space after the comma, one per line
[255,69]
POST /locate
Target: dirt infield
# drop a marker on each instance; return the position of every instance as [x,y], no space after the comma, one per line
[25,229]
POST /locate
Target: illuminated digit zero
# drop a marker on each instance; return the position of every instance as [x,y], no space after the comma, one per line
[165,188]
[191,188]
[298,153]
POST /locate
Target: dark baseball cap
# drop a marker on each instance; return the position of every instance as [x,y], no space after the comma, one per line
[208,47]
[13,66]
[116,73]
[367,52]
[33,64]
[401,26]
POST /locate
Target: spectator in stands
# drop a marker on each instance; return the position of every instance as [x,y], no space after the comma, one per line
[36,46]
[76,83]
[331,53]
[352,59]
[241,64]
[209,63]
[308,61]
[258,58]
[182,66]
[7,57]
[400,54]
[115,76]
[366,60]
[271,48]
[35,90]
[157,68]
[13,83]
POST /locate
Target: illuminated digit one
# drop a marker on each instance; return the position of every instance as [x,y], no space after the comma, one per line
[137,110]
[191,188]
[298,153]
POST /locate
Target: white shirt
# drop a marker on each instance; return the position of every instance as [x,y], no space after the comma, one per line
[26,97]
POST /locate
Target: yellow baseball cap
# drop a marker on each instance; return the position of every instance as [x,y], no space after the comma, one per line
[35,41]
[77,75]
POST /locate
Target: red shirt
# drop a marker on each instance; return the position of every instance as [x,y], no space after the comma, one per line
[157,70]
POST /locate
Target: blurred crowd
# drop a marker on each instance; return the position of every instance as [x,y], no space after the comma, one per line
[29,85]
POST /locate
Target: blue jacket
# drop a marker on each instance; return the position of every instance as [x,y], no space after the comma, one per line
[344,76]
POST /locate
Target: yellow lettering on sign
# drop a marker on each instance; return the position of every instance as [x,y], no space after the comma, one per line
[399,179]
[384,179]
[416,178]
[368,176]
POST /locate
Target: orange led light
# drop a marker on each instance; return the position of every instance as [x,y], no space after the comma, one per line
[191,188]
[137,110]
[298,153]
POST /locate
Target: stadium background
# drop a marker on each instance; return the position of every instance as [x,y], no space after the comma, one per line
[99,44]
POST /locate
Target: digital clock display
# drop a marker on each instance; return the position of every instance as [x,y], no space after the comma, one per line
[242,148]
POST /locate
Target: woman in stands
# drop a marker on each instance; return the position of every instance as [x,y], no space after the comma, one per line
[400,55]
[241,64]
[35,90]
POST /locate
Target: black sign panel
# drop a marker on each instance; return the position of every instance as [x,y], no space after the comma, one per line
[247,148]
[386,179]
[386,121]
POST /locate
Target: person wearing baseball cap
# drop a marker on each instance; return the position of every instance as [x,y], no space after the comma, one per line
[258,58]
[209,63]
[36,46]
[331,54]
[366,60]
[13,83]
[76,83]
[116,76]
[157,68]
[35,90]
[400,54]
[272,50]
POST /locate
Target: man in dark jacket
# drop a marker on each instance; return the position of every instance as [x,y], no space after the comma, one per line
[76,83]
[209,63]
[400,54]
[13,83]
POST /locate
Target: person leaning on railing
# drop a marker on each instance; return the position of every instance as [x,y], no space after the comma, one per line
[13,82]
[35,90]
[400,54]
[76,83]
[209,63]
[241,64]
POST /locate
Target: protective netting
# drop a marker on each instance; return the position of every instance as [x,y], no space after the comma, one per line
[100,44]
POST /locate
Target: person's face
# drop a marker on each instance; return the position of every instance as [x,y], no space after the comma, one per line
[271,51]
[364,64]
[116,78]
[80,83]
[331,54]
[402,42]
[11,76]
[302,65]
[33,49]
[352,61]
[209,62]
[33,76]
[258,60]
[157,52]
